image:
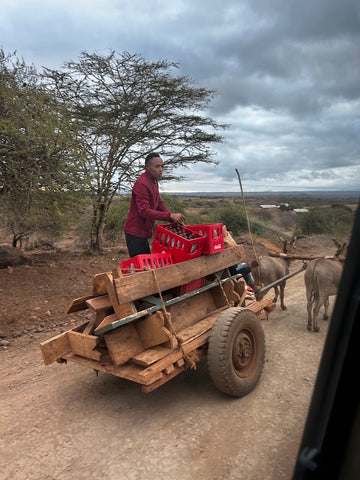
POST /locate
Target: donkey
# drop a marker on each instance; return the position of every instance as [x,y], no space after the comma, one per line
[322,278]
[269,269]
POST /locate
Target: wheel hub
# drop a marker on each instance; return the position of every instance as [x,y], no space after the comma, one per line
[243,352]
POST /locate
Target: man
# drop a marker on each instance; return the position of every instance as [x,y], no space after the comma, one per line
[146,206]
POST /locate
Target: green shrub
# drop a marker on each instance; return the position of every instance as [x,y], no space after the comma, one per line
[116,217]
[232,217]
[174,204]
[336,221]
[315,221]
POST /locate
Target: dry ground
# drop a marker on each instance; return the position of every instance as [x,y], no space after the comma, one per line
[62,422]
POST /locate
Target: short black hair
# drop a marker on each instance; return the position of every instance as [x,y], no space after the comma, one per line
[151,156]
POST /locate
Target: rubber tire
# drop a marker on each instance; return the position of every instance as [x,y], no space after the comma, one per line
[232,326]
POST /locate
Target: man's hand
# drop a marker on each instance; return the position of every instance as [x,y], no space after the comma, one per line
[177,218]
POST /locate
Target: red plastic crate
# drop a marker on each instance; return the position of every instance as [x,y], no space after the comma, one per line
[182,243]
[190,286]
[146,262]
[214,238]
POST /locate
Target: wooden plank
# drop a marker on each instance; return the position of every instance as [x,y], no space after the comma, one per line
[150,356]
[127,372]
[78,304]
[169,369]
[161,364]
[89,327]
[141,284]
[83,341]
[180,362]
[116,272]
[131,372]
[150,388]
[100,316]
[257,306]
[99,303]
[106,321]
[191,310]
[176,355]
[55,348]
[173,371]
[192,344]
[240,289]
[84,345]
[121,310]
[123,343]
[99,284]
[200,327]
[226,295]
[230,292]
[151,331]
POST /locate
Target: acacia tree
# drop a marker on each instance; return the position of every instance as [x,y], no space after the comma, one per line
[128,107]
[39,153]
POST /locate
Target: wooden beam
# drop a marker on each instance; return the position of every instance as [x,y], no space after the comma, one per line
[127,371]
[99,303]
[151,330]
[257,306]
[99,284]
[140,284]
[78,304]
[121,310]
[199,327]
[84,345]
[166,377]
[89,328]
[55,348]
[123,343]
[106,321]
[150,356]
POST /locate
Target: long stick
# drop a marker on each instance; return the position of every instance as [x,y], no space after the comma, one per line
[303,257]
[247,217]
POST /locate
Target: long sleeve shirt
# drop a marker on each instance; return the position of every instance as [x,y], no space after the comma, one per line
[146,206]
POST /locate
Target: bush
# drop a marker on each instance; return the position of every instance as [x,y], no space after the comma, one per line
[314,221]
[334,221]
[174,204]
[116,217]
[230,216]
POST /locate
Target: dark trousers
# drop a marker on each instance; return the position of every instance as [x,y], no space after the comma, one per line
[136,245]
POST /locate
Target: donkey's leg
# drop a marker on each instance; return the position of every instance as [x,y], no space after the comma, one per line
[282,294]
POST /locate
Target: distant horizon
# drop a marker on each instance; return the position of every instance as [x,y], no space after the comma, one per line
[322,192]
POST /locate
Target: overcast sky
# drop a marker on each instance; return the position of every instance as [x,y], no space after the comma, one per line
[286,72]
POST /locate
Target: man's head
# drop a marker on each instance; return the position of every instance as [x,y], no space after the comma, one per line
[154,165]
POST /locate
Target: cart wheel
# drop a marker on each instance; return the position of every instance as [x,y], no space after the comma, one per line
[236,351]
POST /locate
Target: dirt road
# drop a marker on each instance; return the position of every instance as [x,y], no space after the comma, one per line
[62,422]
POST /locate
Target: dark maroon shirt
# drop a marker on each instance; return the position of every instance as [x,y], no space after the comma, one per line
[146,206]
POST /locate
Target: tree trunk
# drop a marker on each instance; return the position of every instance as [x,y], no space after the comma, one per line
[100,209]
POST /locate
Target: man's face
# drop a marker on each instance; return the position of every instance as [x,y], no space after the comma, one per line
[155,167]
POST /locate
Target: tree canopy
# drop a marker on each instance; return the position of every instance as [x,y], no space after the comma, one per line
[127,107]
[39,155]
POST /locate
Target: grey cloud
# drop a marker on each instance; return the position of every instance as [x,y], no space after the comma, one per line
[286,73]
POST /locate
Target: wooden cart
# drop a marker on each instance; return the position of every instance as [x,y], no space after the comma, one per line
[147,328]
